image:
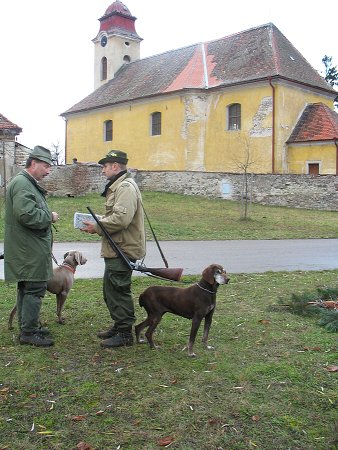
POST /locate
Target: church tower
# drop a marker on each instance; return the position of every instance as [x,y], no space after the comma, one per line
[116,43]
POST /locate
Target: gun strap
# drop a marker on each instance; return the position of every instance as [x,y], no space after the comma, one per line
[132,183]
[155,238]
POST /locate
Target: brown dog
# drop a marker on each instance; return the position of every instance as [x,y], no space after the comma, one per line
[61,283]
[194,302]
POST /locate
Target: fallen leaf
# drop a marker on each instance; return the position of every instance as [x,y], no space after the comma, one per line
[163,442]
[79,418]
[99,413]
[332,368]
[84,446]
[213,421]
[264,321]
[4,391]
[330,304]
[255,418]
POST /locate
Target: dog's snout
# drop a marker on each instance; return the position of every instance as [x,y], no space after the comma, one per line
[222,278]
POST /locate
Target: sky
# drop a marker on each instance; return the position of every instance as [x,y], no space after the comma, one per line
[47,53]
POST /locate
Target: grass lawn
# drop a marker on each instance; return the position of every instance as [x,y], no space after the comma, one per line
[266,385]
[182,217]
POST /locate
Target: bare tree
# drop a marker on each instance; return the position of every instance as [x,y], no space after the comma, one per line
[58,154]
[243,165]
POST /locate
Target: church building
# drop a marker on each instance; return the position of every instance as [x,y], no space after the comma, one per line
[245,102]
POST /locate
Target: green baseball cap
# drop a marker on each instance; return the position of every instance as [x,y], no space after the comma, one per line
[115,156]
[42,154]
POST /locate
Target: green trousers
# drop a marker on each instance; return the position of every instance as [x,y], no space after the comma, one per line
[117,293]
[28,303]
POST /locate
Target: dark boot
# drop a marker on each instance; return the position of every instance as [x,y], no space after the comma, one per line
[120,339]
[108,333]
[35,339]
[43,331]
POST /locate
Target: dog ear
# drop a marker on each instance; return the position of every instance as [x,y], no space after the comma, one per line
[79,258]
[208,273]
[83,260]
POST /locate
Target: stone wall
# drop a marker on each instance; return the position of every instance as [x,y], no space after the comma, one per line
[297,191]
[73,180]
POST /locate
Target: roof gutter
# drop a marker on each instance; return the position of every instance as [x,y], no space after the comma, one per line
[273,128]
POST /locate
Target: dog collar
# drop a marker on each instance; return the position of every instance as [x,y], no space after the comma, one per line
[66,266]
[206,290]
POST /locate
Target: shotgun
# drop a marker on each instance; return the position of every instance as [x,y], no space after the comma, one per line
[165,273]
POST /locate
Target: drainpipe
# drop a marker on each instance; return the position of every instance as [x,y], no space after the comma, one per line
[336,144]
[66,125]
[273,128]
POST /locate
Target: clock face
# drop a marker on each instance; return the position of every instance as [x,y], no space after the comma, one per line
[103,41]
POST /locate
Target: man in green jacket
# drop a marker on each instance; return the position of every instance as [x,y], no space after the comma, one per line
[124,221]
[28,244]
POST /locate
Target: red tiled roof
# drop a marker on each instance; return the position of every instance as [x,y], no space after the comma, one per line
[317,123]
[6,124]
[256,54]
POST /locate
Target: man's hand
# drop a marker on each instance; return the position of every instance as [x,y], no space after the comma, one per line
[89,227]
[55,217]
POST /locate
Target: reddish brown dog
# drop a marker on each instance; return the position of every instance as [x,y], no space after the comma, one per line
[194,302]
[61,283]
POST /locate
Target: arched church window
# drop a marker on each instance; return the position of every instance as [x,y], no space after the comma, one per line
[156,121]
[104,66]
[234,116]
[108,130]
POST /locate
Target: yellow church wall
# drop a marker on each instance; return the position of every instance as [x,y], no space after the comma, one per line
[131,132]
[249,147]
[291,101]
[194,134]
[301,154]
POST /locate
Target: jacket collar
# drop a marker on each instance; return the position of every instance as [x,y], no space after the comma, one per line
[33,181]
[112,181]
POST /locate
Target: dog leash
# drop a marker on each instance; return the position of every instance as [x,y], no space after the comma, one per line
[55,260]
